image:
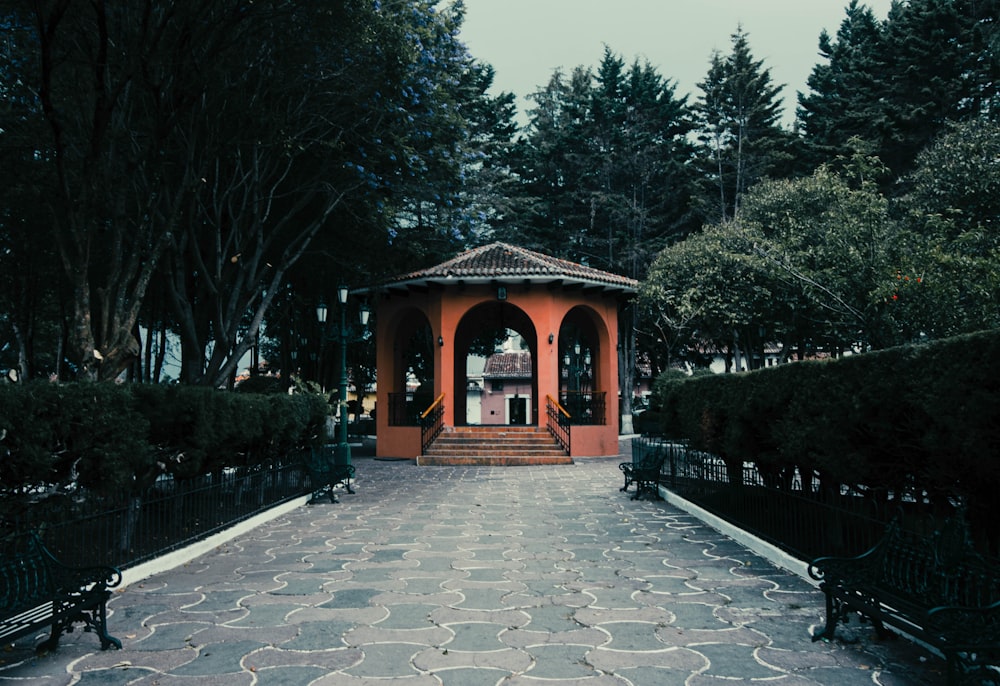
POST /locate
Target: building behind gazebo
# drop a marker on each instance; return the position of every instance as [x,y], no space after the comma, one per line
[507,388]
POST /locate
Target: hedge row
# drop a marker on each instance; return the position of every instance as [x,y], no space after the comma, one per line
[912,418]
[110,438]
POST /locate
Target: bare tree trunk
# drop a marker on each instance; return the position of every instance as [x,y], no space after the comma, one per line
[161,353]
[147,357]
[626,368]
[23,341]
[81,336]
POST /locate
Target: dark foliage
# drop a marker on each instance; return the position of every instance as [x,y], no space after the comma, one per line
[908,423]
[108,439]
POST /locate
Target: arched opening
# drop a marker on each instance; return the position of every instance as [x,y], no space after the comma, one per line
[411,377]
[496,378]
[582,366]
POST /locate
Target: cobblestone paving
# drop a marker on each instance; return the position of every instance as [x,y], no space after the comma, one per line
[471,576]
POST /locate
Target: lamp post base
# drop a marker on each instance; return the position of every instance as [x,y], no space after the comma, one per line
[342,454]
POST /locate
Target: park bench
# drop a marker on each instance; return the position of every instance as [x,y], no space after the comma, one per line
[324,474]
[38,592]
[648,456]
[935,588]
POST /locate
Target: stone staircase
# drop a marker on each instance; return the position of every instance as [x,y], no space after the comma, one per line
[500,446]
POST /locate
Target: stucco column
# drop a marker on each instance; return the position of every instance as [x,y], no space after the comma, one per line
[445,326]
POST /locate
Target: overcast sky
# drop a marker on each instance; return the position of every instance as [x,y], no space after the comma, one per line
[525,40]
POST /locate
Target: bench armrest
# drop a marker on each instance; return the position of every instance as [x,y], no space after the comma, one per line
[72,579]
[843,568]
[854,569]
[98,577]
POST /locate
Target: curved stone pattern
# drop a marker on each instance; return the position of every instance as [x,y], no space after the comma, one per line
[475,575]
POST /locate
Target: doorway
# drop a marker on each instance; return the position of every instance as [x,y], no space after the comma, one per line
[517,410]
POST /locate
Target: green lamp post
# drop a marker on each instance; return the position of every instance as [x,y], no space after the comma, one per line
[342,456]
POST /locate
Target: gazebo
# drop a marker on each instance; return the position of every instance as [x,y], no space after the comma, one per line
[566,314]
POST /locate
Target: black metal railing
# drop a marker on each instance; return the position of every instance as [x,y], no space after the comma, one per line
[126,530]
[585,407]
[431,423]
[788,511]
[797,511]
[405,408]
[558,422]
[645,446]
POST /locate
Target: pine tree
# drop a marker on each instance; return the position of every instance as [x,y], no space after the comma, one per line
[845,91]
[895,85]
[640,190]
[606,156]
[604,159]
[552,161]
[930,73]
[490,197]
[738,121]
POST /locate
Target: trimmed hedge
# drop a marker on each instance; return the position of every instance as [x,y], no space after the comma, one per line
[111,439]
[923,417]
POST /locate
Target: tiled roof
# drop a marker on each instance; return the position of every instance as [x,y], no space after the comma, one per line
[509,365]
[508,264]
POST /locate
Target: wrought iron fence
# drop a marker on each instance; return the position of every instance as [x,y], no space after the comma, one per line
[431,423]
[405,408]
[794,513]
[558,422]
[585,407]
[84,528]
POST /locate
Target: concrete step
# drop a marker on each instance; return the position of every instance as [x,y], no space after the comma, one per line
[498,452]
[494,446]
[489,442]
[507,428]
[492,460]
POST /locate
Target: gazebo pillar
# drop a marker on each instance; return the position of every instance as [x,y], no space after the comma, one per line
[444,364]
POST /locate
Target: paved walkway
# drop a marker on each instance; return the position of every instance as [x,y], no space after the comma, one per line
[473,576]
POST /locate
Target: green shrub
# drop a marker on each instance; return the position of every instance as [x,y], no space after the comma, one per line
[649,422]
[106,437]
[26,458]
[199,430]
[923,417]
[261,383]
[114,439]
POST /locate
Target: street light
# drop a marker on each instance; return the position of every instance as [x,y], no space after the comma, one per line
[342,456]
[577,369]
